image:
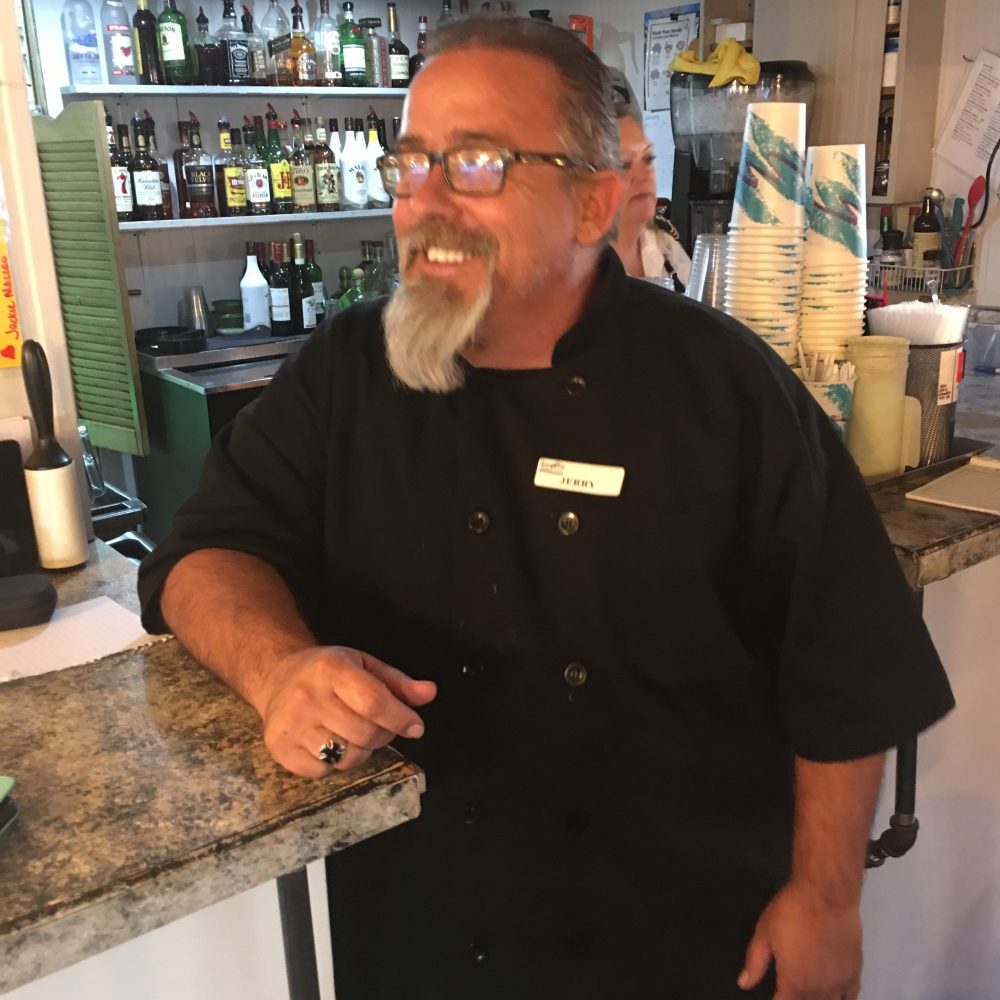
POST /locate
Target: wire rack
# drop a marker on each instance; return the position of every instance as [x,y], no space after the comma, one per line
[898,278]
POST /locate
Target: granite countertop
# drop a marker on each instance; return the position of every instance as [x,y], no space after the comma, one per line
[146,793]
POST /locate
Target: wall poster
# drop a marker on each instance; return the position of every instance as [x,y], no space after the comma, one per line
[668,32]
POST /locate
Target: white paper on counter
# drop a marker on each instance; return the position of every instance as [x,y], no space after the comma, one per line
[78,633]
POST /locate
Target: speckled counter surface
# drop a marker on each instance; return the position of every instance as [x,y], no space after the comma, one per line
[146,793]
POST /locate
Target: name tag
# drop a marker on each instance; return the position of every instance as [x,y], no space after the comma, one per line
[579,477]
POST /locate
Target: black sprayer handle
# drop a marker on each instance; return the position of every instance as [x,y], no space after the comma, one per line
[38,386]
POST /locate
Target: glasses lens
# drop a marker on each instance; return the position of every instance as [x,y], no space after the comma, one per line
[403,173]
[475,171]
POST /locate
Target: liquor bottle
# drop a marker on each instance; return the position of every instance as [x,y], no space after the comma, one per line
[344,277]
[235,47]
[884,225]
[446,15]
[378,280]
[173,34]
[397,124]
[261,251]
[258,182]
[147,126]
[256,299]
[376,53]
[420,56]
[248,252]
[333,138]
[80,42]
[206,52]
[278,281]
[303,173]
[315,276]
[279,167]
[121,175]
[399,54]
[356,290]
[146,182]
[327,174]
[908,237]
[378,197]
[926,232]
[278,38]
[300,292]
[116,27]
[219,162]
[199,179]
[353,167]
[352,50]
[367,256]
[145,35]
[326,39]
[233,201]
[303,51]
[184,135]
[883,149]
[258,51]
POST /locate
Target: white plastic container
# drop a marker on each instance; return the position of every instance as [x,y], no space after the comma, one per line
[256,298]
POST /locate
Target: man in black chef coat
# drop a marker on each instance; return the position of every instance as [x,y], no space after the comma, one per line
[593,551]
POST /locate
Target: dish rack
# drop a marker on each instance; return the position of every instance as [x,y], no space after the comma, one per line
[913,280]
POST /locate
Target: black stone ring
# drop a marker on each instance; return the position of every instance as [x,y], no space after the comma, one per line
[332,752]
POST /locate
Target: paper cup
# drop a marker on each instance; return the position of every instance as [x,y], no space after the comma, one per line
[836,205]
[835,400]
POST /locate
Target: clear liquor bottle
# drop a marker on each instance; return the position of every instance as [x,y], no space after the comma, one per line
[327,174]
[233,201]
[399,54]
[173,37]
[352,49]
[80,42]
[303,172]
[258,50]
[279,168]
[378,280]
[326,39]
[121,174]
[235,47]
[446,16]
[258,177]
[303,51]
[116,27]
[199,179]
[277,34]
[146,45]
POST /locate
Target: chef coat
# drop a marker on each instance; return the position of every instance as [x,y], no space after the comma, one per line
[623,680]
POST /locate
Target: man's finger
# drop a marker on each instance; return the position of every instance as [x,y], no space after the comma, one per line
[407,689]
[367,695]
[757,961]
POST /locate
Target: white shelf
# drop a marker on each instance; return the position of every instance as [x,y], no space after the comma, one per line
[291,220]
[115,90]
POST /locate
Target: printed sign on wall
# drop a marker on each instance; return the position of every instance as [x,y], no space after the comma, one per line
[10,329]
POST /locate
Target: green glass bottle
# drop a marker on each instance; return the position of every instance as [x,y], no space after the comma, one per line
[279,281]
[279,166]
[175,55]
[356,293]
[352,49]
[315,276]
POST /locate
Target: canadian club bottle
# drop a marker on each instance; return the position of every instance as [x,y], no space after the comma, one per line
[150,129]
[399,54]
[146,181]
[121,175]
[301,294]
[199,179]
[278,281]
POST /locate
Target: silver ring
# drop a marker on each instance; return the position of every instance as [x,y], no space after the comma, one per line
[332,751]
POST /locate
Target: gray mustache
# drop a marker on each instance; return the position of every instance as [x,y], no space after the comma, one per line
[439,234]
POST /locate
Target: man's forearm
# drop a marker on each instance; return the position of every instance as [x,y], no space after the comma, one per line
[235,615]
[834,806]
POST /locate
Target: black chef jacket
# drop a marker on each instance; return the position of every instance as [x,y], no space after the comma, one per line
[623,681]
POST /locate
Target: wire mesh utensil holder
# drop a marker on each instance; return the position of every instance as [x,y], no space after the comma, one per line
[899,278]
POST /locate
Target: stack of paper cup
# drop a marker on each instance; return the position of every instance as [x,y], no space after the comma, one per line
[835,269]
[767,231]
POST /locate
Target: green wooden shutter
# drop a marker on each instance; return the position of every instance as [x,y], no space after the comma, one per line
[76,177]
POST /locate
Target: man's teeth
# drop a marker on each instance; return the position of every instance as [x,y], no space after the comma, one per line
[439,255]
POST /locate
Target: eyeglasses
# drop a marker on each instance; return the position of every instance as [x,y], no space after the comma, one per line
[472,170]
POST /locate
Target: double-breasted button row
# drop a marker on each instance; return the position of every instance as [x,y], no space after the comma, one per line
[479,522]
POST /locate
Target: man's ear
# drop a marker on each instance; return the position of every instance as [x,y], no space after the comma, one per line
[599,200]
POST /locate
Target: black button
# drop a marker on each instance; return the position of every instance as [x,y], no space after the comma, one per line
[569,523]
[473,669]
[577,820]
[575,674]
[576,384]
[478,951]
[479,522]
[473,813]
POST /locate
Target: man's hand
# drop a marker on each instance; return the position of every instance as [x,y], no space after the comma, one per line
[326,691]
[815,944]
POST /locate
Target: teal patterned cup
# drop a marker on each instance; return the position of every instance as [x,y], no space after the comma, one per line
[836,206]
[835,400]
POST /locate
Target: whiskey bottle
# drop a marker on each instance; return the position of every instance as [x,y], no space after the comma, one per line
[235,48]
[234,199]
[258,51]
[199,179]
[208,56]
[121,175]
[145,39]
[303,173]
[173,37]
[327,174]
[149,128]
[303,52]
[278,39]
[146,182]
[399,54]
[258,183]
[279,168]
[219,162]
[420,56]
[184,137]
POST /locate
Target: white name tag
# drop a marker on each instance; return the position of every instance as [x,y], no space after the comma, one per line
[579,477]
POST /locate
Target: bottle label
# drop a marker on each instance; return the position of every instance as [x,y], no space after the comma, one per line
[355,191]
[147,187]
[258,189]
[138,52]
[305,68]
[281,181]
[303,186]
[238,54]
[225,142]
[256,307]
[375,188]
[319,299]
[327,184]
[120,49]
[354,58]
[399,67]
[281,310]
[121,183]
[308,313]
[922,242]
[199,180]
[236,192]
[172,43]
[276,46]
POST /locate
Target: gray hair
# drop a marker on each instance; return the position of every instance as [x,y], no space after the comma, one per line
[623,97]
[591,131]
